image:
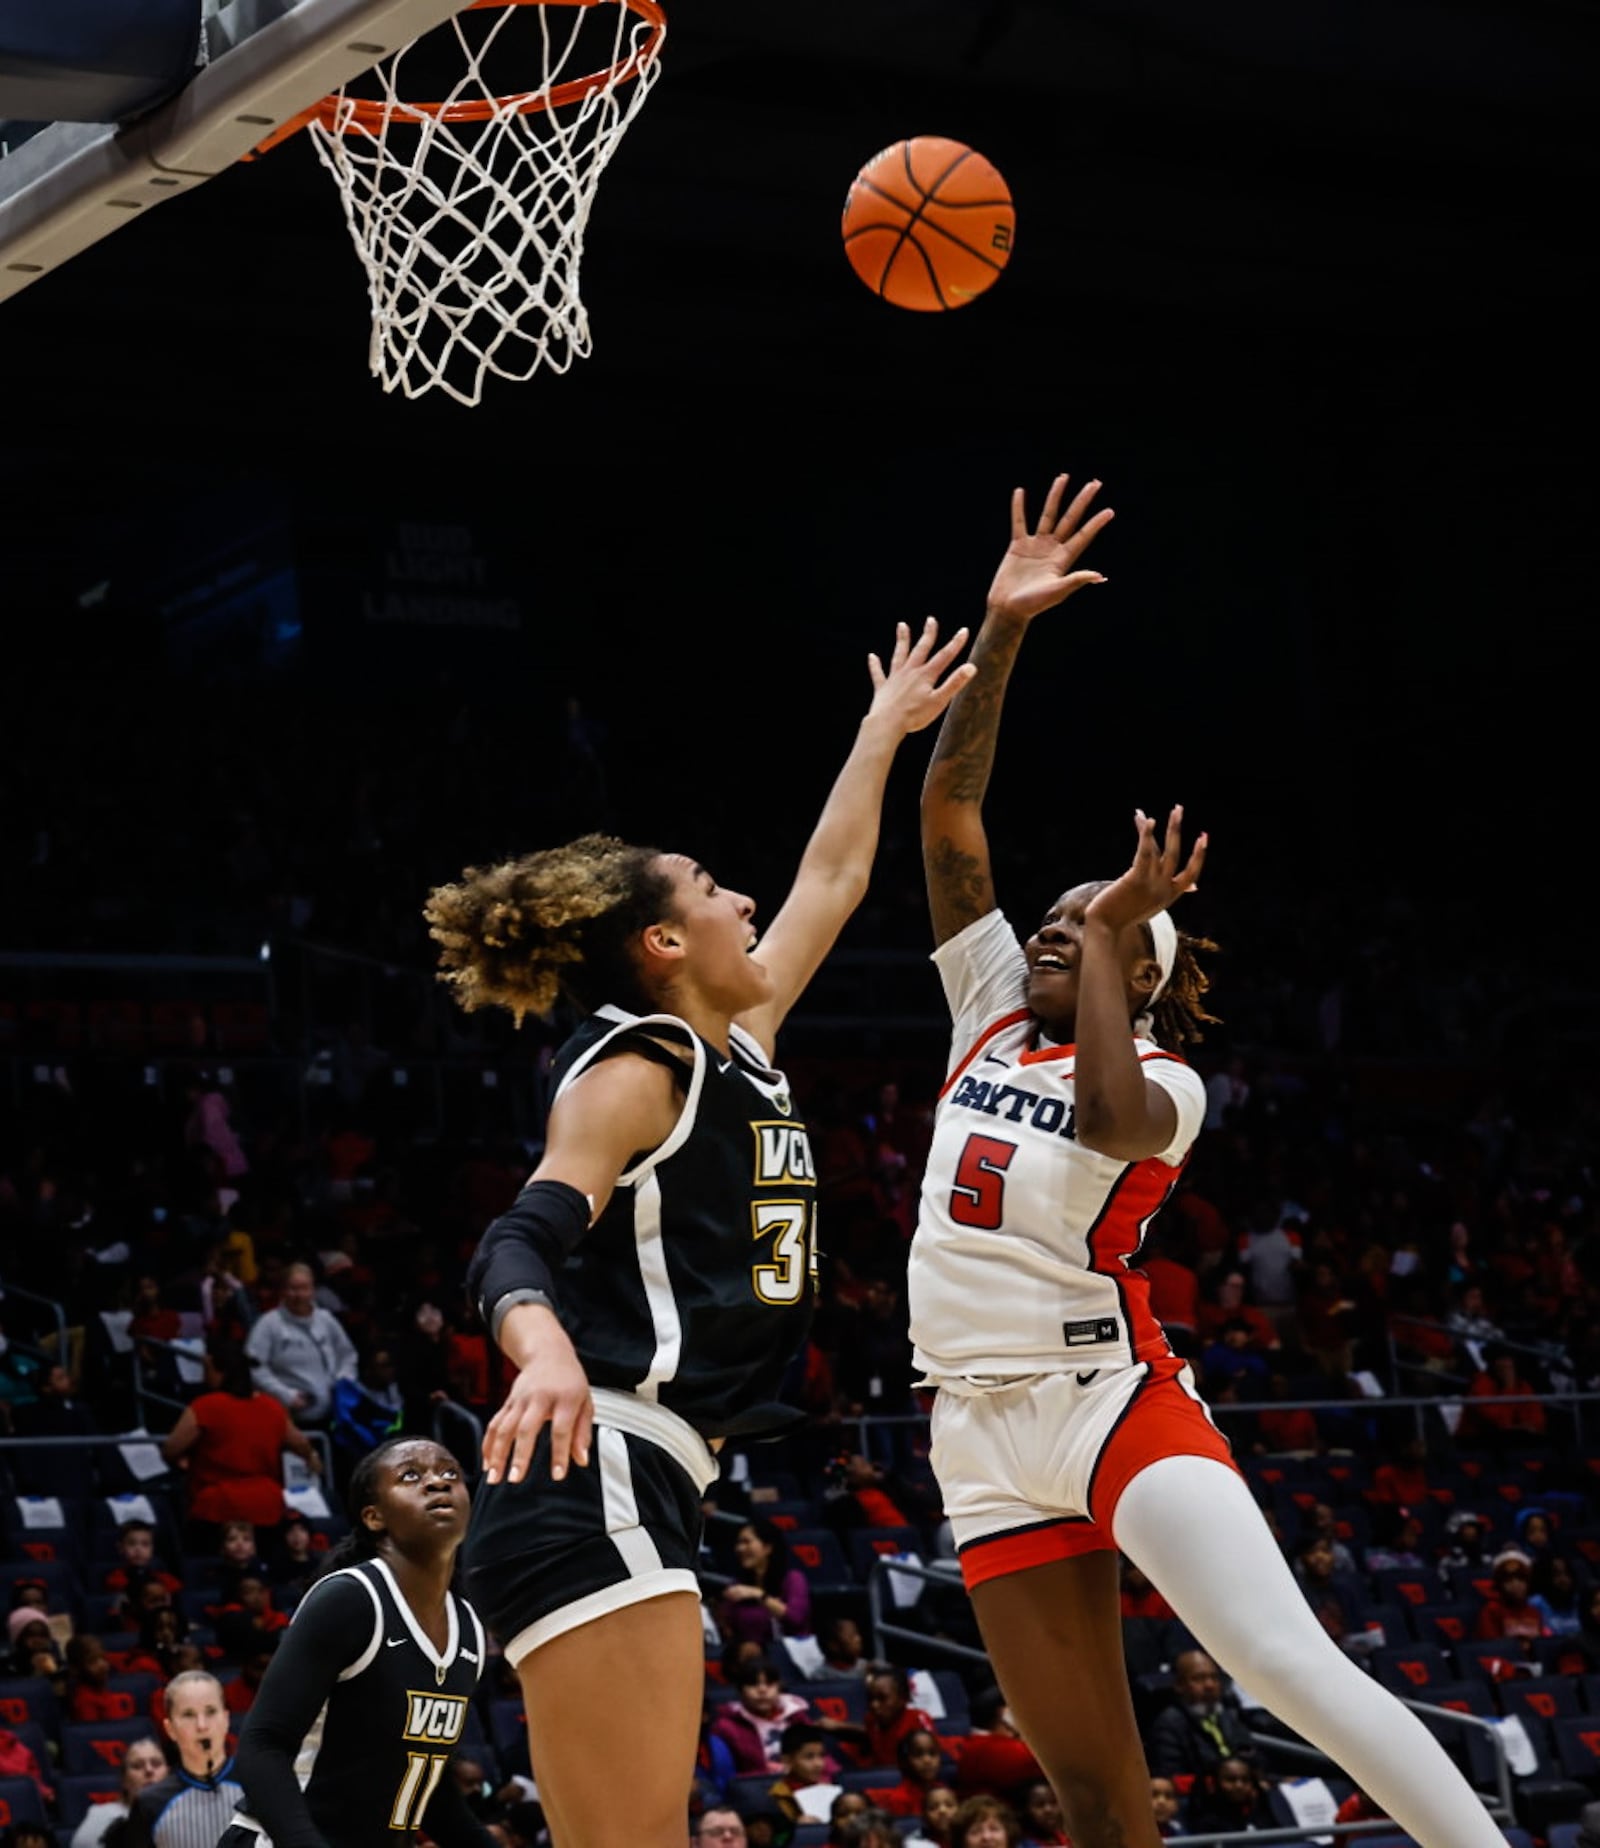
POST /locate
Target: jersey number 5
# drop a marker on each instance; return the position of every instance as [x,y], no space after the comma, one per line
[416,1789]
[793,1228]
[975,1200]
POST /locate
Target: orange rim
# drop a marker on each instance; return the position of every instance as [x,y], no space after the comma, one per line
[353,113]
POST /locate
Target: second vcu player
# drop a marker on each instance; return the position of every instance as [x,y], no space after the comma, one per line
[348,1739]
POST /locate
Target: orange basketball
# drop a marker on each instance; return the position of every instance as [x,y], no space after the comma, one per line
[928,224]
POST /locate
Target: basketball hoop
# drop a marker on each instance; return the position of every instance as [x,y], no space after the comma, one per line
[468,214]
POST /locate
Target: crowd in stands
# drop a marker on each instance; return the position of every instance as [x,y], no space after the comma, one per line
[1381,1207]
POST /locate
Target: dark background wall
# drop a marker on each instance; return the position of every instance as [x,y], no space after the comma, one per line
[1313,296]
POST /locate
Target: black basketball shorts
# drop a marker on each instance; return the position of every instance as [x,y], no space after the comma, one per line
[543,1557]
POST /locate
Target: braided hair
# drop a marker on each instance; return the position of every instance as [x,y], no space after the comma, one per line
[1178,1017]
[528,932]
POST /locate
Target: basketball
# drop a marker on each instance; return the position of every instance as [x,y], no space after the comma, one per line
[928,224]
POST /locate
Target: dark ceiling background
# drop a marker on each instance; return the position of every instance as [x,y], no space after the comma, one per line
[1310,288]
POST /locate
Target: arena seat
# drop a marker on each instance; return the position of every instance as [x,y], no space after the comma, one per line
[1477,1655]
[1550,1697]
[75,1792]
[870,1544]
[870,1778]
[63,1587]
[1463,1696]
[1443,1625]
[953,1693]
[818,1554]
[20,1801]
[98,1745]
[786,1516]
[1412,1587]
[31,1734]
[25,1698]
[842,1697]
[1577,1743]
[1412,1668]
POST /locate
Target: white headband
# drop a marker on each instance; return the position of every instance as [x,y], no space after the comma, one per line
[1164,936]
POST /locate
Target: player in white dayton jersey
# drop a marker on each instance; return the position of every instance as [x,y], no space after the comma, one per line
[654,1278]
[1064,1430]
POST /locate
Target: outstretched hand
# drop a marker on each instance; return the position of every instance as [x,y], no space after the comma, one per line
[910,693]
[1039,569]
[1154,880]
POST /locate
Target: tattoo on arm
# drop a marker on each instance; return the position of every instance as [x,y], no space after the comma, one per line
[960,890]
[964,755]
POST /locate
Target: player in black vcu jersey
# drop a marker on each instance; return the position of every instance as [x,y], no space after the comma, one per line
[347,1741]
[654,1279]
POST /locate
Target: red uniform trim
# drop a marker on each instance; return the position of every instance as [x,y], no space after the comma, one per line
[1040,1544]
[1162,1420]
[1036,1054]
[998,1026]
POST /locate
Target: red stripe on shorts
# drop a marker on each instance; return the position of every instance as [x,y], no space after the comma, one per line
[1161,1420]
[1040,1544]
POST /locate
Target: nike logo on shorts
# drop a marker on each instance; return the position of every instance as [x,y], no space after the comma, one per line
[1084,1379]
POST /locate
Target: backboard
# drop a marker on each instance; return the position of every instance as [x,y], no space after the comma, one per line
[64,185]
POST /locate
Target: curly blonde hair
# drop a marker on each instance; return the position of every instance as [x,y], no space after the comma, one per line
[528,932]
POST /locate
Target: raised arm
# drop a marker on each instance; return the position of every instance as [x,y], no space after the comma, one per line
[837,863]
[1037,572]
[1119,1111]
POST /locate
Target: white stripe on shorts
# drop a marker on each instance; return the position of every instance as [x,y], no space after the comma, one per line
[621,1506]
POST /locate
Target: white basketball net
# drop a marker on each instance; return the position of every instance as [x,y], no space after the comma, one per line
[471,232]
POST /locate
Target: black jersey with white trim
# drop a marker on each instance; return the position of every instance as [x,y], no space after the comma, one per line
[351,1730]
[695,1286]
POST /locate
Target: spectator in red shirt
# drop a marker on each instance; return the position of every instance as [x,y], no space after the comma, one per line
[1139,1598]
[1174,1295]
[1508,1611]
[994,1757]
[1404,1478]
[1227,1301]
[1501,1427]
[233,1438]
[890,1716]
[1281,1433]
[151,1317]
[246,1621]
[91,1698]
[920,1757]
[17,1760]
[239,1693]
[136,1549]
[1324,1312]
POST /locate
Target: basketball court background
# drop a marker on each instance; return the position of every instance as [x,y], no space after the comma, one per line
[1314,296]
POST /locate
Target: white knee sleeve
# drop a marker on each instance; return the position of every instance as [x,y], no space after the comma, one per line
[1191,1527]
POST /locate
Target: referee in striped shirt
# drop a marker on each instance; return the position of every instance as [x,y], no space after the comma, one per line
[191,1806]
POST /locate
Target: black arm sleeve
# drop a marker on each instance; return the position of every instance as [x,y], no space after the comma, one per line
[525,1247]
[449,1821]
[332,1628]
